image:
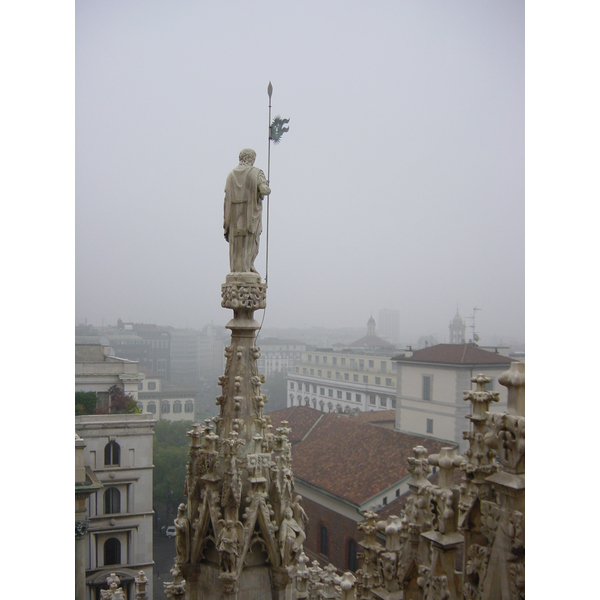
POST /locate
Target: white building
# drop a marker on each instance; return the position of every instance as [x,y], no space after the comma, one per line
[165,400]
[430,386]
[97,371]
[118,449]
[279,355]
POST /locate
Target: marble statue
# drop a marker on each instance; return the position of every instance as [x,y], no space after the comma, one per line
[245,188]
[182,534]
[291,538]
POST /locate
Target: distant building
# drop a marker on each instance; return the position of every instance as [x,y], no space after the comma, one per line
[185,356]
[279,355]
[430,384]
[360,376]
[118,450]
[457,329]
[389,325]
[97,371]
[169,402]
[342,467]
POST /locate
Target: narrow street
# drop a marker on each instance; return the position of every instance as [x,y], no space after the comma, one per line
[164,559]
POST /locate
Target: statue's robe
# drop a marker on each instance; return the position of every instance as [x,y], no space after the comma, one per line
[244,190]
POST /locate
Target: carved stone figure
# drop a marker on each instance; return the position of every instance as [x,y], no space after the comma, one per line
[245,188]
[228,544]
[299,513]
[182,535]
[291,538]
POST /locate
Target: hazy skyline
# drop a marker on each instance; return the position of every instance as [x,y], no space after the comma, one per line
[399,185]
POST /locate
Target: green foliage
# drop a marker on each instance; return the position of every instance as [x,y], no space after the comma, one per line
[170,456]
[85,403]
[120,403]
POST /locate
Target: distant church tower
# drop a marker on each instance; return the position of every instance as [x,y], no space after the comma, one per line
[457,330]
[371,326]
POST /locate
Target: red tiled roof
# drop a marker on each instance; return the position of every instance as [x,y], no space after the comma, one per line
[349,458]
[376,416]
[300,419]
[370,341]
[455,354]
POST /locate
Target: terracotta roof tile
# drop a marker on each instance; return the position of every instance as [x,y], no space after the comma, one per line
[346,457]
[455,354]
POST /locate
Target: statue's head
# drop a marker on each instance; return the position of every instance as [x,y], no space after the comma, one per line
[247,156]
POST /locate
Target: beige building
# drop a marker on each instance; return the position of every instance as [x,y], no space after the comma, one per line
[279,355]
[344,380]
[430,385]
[166,401]
[118,450]
[97,371]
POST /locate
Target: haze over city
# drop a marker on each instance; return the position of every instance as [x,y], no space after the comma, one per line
[400,183]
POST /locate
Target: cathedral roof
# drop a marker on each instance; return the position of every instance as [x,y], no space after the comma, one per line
[455,354]
[371,342]
[348,458]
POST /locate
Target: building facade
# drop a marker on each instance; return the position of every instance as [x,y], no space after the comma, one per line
[431,384]
[279,355]
[344,380]
[166,401]
[118,450]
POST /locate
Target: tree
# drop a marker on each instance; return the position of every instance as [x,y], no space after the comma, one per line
[119,403]
[85,403]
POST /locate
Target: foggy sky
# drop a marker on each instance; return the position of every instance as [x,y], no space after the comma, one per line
[399,185]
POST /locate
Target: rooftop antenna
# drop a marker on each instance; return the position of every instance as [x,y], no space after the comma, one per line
[475,338]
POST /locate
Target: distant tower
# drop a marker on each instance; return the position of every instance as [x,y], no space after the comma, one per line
[457,329]
[371,326]
[389,325]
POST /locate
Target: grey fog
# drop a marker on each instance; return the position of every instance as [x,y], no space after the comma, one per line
[400,184]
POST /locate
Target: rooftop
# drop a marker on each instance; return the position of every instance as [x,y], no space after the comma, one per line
[347,457]
[455,354]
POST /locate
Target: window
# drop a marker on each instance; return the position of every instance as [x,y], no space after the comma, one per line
[338,375]
[334,359]
[353,363]
[177,406]
[348,396]
[427,387]
[347,376]
[112,454]
[365,379]
[151,408]
[314,388]
[383,366]
[152,385]
[112,552]
[355,377]
[339,394]
[322,391]
[398,493]
[383,401]
[320,373]
[310,358]
[371,364]
[384,500]
[489,387]
[306,387]
[317,359]
[330,393]
[165,407]
[361,363]
[324,545]
[358,398]
[343,361]
[312,371]
[388,381]
[140,386]
[377,380]
[291,385]
[189,406]
[329,374]
[372,400]
[112,501]
[324,360]
[352,555]
[429,425]
[393,400]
